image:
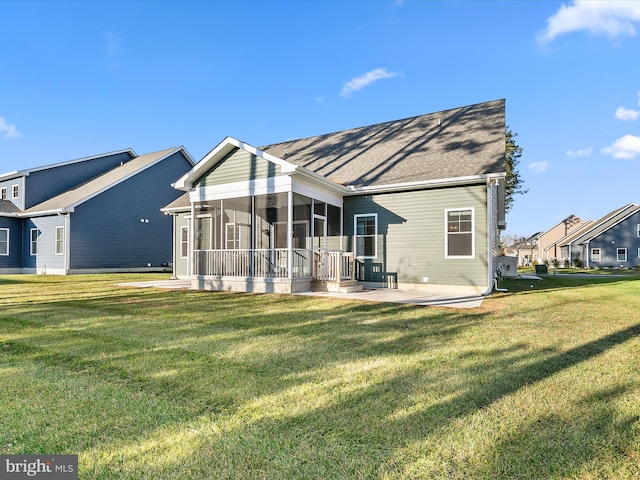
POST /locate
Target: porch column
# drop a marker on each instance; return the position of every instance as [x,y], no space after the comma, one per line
[290,235]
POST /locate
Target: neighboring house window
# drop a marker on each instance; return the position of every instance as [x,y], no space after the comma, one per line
[184,242]
[4,241]
[366,228]
[460,238]
[59,240]
[596,255]
[621,255]
[638,227]
[638,252]
[15,191]
[3,194]
[33,241]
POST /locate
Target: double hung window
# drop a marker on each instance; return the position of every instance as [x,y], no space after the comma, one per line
[366,230]
[460,241]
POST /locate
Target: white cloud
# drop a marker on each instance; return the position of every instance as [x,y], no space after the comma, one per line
[362,81]
[627,147]
[539,167]
[610,17]
[8,130]
[584,152]
[624,114]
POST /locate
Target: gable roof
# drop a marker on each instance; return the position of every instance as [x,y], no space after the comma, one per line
[27,172]
[623,213]
[599,226]
[67,201]
[570,236]
[461,142]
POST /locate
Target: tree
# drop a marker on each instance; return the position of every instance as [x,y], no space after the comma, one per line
[513,180]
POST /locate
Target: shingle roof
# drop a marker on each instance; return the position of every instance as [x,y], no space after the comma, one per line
[181,203]
[465,141]
[600,225]
[97,185]
[7,206]
[20,173]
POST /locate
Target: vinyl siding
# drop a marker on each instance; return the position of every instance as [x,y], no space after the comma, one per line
[110,231]
[238,167]
[8,184]
[411,234]
[44,184]
[46,260]
[14,259]
[180,265]
[623,235]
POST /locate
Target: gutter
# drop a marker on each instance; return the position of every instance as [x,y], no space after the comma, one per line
[442,182]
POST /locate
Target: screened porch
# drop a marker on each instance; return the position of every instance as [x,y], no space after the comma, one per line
[273,236]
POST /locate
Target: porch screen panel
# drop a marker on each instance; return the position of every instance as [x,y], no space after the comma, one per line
[301,221]
[271,219]
[237,223]
[334,229]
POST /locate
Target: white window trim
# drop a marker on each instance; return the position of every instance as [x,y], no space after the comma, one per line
[6,253]
[3,193]
[593,257]
[183,229]
[473,232]
[56,241]
[355,235]
[618,255]
[31,242]
[638,228]
[13,190]
[638,252]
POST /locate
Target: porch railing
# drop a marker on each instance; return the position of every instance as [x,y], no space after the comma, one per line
[272,262]
[333,266]
[327,266]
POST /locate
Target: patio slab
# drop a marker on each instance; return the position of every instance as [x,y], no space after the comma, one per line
[435,297]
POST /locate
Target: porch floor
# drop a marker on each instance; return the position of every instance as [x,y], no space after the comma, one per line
[435,297]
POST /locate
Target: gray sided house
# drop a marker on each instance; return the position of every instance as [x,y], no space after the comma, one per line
[611,242]
[410,203]
[93,214]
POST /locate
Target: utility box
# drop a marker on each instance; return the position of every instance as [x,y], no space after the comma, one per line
[507,266]
[542,270]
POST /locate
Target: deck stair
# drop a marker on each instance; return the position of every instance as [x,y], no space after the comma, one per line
[346,286]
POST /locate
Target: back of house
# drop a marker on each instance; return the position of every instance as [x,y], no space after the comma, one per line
[409,203]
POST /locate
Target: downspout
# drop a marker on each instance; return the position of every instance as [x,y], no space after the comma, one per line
[492,279]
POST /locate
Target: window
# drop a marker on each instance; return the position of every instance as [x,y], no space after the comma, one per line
[59,240]
[15,191]
[3,194]
[4,241]
[459,228]
[33,241]
[638,228]
[184,242]
[621,255]
[366,229]
[596,255]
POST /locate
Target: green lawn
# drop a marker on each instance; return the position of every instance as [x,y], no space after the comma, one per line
[542,382]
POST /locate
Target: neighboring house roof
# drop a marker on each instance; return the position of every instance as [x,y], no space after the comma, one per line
[461,142]
[599,226]
[26,172]
[181,203]
[574,234]
[67,201]
[8,208]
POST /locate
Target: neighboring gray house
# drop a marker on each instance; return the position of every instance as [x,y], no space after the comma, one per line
[98,213]
[406,203]
[611,242]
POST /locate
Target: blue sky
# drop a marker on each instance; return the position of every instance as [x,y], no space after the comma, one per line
[82,78]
